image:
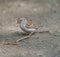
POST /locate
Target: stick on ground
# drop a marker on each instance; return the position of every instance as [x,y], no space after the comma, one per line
[23,38]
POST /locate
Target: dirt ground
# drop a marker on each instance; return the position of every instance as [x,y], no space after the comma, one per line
[42,12]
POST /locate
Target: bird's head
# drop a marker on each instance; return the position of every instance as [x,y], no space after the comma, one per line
[20,19]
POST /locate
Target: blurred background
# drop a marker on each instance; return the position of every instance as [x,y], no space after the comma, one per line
[42,12]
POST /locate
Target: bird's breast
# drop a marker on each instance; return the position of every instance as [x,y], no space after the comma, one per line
[25,28]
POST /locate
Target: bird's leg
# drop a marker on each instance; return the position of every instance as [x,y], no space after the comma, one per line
[23,38]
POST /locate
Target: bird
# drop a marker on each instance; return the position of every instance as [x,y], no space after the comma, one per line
[27,26]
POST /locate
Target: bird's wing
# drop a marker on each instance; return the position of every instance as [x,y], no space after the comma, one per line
[31,25]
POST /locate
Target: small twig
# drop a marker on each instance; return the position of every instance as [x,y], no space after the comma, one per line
[9,43]
[23,38]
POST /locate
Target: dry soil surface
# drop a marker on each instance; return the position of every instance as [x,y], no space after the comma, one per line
[42,12]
